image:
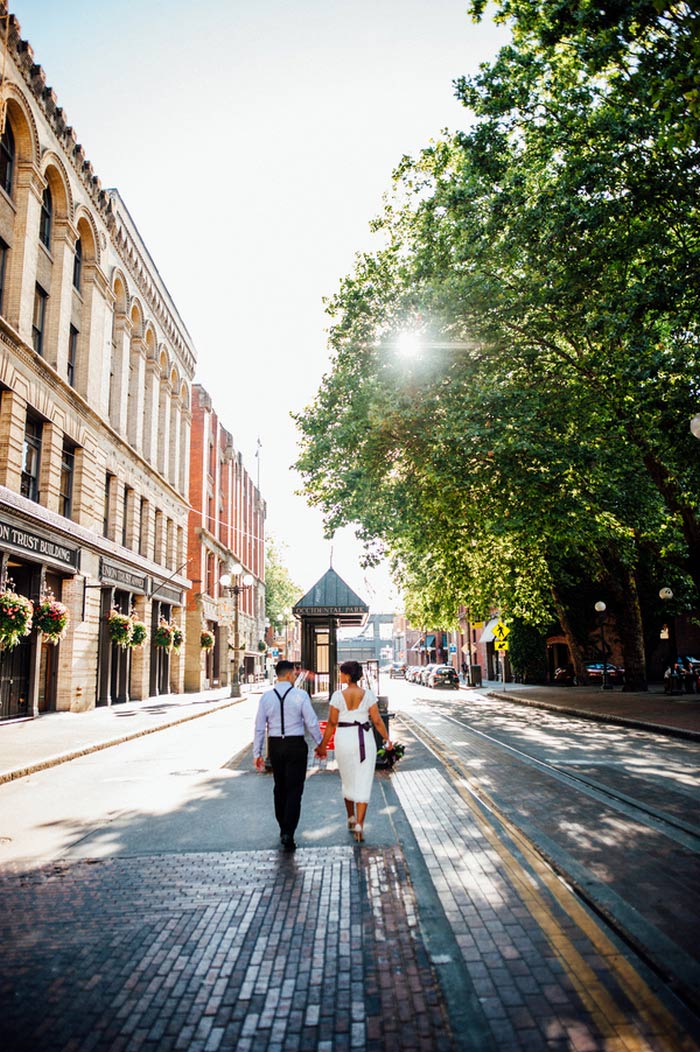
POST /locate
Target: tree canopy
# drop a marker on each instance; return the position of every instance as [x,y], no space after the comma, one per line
[547,261]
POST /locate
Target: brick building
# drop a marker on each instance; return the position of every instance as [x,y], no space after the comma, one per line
[96,368]
[226,523]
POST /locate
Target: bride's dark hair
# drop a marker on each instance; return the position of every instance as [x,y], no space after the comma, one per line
[353,669]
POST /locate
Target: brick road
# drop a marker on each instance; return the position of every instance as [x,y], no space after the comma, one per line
[245,950]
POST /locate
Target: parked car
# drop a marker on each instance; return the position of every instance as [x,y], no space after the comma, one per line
[615,674]
[444,676]
[397,671]
[424,673]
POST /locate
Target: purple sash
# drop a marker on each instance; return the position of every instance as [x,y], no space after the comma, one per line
[360,728]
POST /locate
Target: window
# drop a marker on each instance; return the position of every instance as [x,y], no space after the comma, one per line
[72,355]
[125,517]
[3,262]
[39,319]
[109,483]
[143,527]
[31,457]
[65,499]
[77,263]
[46,218]
[7,159]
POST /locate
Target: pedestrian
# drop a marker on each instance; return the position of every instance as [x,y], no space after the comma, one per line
[284,712]
[352,713]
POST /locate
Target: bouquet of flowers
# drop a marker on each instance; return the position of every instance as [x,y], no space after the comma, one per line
[121,628]
[163,635]
[139,633]
[51,618]
[391,756]
[15,618]
[206,640]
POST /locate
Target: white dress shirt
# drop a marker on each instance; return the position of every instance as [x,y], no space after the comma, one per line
[298,714]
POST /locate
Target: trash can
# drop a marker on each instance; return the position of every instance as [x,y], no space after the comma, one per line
[383,706]
[475,675]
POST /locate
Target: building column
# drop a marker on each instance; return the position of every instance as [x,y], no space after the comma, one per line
[140,664]
[21,281]
[13,418]
[162,448]
[119,380]
[61,294]
[150,411]
[50,466]
[136,394]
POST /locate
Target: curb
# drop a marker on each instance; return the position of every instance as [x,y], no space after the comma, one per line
[599,717]
[65,757]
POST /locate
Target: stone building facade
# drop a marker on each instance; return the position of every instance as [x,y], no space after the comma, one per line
[226,525]
[96,368]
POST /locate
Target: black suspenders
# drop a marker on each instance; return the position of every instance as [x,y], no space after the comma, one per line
[281,700]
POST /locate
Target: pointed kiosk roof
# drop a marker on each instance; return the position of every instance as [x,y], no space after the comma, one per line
[332,597]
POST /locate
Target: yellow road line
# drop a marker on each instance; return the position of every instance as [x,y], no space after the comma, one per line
[606,1013]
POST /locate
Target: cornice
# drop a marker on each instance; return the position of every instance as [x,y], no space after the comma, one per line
[105,202]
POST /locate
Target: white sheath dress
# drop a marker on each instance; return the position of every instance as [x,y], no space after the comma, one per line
[356,775]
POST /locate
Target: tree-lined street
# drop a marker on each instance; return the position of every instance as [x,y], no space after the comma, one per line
[173,834]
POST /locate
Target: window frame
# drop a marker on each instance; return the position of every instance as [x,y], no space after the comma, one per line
[29,479]
[73,335]
[78,264]
[8,158]
[41,297]
[65,492]
[46,218]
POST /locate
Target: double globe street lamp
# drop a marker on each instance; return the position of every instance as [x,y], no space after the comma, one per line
[235,581]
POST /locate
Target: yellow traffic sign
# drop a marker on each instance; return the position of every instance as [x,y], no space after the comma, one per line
[501,631]
[503,646]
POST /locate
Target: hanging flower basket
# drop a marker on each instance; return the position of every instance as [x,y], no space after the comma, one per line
[15,619]
[178,637]
[206,641]
[51,619]
[139,634]
[163,635]
[262,645]
[121,628]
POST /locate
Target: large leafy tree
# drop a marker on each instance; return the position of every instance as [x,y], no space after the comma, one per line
[280,591]
[549,257]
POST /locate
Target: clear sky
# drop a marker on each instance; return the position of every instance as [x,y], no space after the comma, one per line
[252,141]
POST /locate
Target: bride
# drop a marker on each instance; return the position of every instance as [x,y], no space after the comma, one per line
[353,711]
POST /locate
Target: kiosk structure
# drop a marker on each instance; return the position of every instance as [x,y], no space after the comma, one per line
[329,605]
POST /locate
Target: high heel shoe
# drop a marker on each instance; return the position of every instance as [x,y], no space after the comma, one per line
[352,822]
[359,835]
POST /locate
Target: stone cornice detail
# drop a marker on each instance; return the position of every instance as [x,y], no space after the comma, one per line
[106,202]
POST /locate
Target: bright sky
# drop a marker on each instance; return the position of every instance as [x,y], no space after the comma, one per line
[252,141]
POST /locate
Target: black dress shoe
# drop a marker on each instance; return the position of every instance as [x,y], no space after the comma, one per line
[288,842]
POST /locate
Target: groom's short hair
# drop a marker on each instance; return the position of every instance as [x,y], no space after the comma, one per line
[282,667]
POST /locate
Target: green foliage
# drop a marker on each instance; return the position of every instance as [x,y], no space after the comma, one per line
[280,591]
[549,259]
[527,652]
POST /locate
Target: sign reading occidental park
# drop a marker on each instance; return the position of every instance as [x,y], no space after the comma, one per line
[331,609]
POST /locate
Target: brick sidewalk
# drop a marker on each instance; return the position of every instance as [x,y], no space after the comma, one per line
[199,952]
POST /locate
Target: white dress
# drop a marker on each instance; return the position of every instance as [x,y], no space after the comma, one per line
[357,776]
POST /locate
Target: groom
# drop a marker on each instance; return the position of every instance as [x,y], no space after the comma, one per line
[285,712]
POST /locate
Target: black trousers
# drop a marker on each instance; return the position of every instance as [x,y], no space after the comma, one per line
[288,759]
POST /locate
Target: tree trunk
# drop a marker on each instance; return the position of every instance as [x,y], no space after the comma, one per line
[575,649]
[623,585]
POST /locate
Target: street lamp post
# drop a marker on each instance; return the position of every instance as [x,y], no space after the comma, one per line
[601,608]
[235,583]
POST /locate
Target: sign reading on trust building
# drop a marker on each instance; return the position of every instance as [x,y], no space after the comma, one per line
[34,544]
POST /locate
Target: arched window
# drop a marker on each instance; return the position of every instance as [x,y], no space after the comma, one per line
[46,218]
[7,159]
[77,263]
